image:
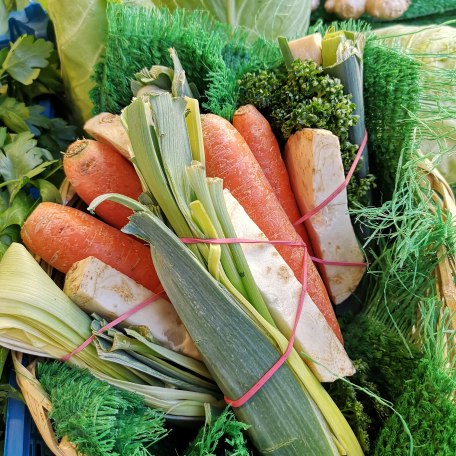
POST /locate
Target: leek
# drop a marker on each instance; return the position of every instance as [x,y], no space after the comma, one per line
[282,416]
[36,317]
[292,413]
[158,131]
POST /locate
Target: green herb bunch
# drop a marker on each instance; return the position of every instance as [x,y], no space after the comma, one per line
[99,419]
[30,142]
[302,96]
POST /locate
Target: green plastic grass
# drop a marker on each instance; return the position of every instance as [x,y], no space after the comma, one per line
[212,54]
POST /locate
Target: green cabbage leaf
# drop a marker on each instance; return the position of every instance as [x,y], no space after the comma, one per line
[266,18]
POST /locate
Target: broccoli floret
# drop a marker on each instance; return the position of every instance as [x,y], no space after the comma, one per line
[302,96]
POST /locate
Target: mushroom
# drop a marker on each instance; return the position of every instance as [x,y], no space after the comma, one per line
[346,9]
[387,9]
[315,4]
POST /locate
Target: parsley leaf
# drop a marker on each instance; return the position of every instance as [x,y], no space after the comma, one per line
[26,57]
[13,114]
[21,161]
[12,217]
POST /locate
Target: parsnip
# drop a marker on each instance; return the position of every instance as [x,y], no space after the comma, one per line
[281,291]
[108,129]
[314,164]
[96,287]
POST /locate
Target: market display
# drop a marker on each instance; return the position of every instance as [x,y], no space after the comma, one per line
[250,249]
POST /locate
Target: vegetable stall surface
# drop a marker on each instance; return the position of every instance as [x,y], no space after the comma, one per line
[314,338]
[62,235]
[94,169]
[228,156]
[258,135]
[98,288]
[315,167]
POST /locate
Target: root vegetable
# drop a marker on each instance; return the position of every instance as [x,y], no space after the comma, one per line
[281,292]
[94,169]
[315,167]
[315,4]
[307,48]
[387,9]
[258,135]
[346,9]
[96,287]
[108,129]
[62,236]
[228,156]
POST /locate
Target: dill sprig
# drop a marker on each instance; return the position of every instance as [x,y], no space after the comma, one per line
[99,419]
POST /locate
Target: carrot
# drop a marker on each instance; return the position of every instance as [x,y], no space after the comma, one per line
[228,156]
[258,134]
[62,236]
[93,169]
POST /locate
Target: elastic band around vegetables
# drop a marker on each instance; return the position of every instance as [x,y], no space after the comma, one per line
[338,189]
[256,387]
[113,323]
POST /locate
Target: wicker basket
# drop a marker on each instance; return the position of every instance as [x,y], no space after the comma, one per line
[39,406]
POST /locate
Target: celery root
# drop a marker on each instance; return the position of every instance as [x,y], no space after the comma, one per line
[97,287]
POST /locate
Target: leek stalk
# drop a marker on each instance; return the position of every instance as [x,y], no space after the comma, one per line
[282,416]
[237,343]
[36,317]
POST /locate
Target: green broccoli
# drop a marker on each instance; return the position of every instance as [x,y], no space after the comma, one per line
[304,97]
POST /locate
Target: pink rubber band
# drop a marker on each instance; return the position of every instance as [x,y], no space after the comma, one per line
[260,383]
[338,189]
[113,323]
[266,241]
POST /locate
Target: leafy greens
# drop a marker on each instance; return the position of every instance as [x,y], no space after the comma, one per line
[266,18]
[30,142]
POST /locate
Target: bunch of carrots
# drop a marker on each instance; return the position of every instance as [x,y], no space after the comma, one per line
[245,154]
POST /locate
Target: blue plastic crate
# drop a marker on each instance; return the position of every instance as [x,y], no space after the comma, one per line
[21,436]
[32,20]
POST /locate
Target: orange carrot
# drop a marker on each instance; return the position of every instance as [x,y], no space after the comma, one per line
[258,134]
[93,169]
[62,235]
[228,156]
